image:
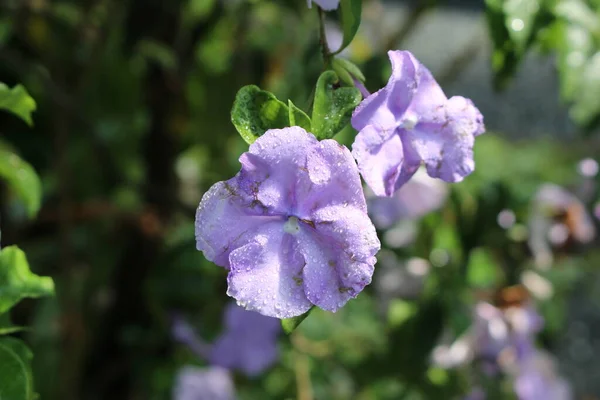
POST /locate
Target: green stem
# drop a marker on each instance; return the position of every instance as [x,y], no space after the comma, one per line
[324,46]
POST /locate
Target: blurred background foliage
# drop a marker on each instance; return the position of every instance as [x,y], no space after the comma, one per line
[133,124]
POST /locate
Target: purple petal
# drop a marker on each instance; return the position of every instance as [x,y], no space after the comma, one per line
[193,383]
[447,148]
[340,254]
[380,159]
[266,274]
[249,342]
[227,210]
[418,197]
[327,5]
[334,180]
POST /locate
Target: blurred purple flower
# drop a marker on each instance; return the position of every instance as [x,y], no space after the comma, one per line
[327,5]
[505,335]
[291,227]
[193,383]
[409,122]
[249,342]
[537,379]
[557,217]
[420,196]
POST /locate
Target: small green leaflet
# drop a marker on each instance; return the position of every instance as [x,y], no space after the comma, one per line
[17,101]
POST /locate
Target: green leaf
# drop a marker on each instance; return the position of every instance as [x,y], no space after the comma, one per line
[298,117]
[290,324]
[341,72]
[16,381]
[350,13]
[520,19]
[255,111]
[157,52]
[6,325]
[350,67]
[17,101]
[333,106]
[586,109]
[22,179]
[17,281]
[483,270]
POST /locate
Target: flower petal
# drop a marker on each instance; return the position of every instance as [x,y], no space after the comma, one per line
[340,255]
[447,149]
[266,274]
[380,158]
[384,108]
[334,180]
[249,342]
[224,218]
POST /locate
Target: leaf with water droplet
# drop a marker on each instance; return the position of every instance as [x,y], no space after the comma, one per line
[21,178]
[333,106]
[290,324]
[255,111]
[17,101]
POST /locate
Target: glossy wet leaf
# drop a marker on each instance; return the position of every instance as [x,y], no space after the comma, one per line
[333,106]
[17,281]
[255,111]
[298,117]
[16,381]
[17,101]
[21,179]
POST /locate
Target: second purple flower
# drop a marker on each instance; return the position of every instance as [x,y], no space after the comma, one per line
[409,122]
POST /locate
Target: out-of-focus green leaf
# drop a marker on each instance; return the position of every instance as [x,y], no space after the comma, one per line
[22,179]
[6,325]
[17,101]
[17,281]
[586,108]
[575,45]
[577,12]
[482,270]
[255,111]
[333,106]
[520,20]
[298,117]
[290,324]
[16,381]
[350,13]
[157,52]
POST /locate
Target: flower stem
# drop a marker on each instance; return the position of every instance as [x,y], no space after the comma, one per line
[323,39]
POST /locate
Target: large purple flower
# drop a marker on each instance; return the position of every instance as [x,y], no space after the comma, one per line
[291,227]
[249,342]
[409,122]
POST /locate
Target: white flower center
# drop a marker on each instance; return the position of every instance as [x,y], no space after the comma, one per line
[409,122]
[291,226]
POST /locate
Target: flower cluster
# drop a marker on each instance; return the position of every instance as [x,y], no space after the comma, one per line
[292,228]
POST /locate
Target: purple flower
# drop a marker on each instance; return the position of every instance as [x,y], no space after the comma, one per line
[249,342]
[409,122]
[420,196]
[327,5]
[537,379]
[291,227]
[193,383]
